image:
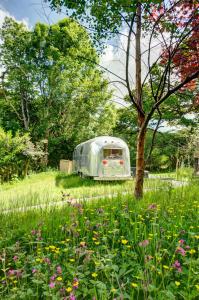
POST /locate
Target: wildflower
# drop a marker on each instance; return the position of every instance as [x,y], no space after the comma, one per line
[52,278]
[197,287]
[152,206]
[192,251]
[196,237]
[15,258]
[71,260]
[94,275]
[34,271]
[134,285]
[181,251]
[69,289]
[47,260]
[187,247]
[113,290]
[39,260]
[177,266]
[144,243]
[72,297]
[15,281]
[124,242]
[59,270]
[97,243]
[75,283]
[82,244]
[181,241]
[59,278]
[177,283]
[165,267]
[52,285]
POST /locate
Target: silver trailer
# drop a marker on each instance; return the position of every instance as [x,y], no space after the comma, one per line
[102,158]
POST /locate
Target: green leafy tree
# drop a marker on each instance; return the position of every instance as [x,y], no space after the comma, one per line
[47,89]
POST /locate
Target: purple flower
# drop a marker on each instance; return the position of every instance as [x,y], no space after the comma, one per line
[181,251]
[33,232]
[11,272]
[72,297]
[144,243]
[177,266]
[52,285]
[52,278]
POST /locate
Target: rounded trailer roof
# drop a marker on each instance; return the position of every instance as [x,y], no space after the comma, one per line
[103,140]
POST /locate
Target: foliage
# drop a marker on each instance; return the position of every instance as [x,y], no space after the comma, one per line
[48,87]
[104,250]
[16,153]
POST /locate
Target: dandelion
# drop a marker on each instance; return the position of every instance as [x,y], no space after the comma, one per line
[69,289]
[94,275]
[192,251]
[177,283]
[134,285]
[59,278]
[124,242]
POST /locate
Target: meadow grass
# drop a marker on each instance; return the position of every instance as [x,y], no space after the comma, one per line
[48,187]
[117,248]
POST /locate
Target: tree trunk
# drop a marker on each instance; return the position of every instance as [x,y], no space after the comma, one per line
[138,192]
[140,163]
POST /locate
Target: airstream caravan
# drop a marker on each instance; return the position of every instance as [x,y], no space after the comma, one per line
[102,158]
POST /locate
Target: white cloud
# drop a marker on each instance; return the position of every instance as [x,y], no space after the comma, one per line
[4,13]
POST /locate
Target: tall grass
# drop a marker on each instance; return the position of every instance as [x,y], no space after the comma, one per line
[103,249]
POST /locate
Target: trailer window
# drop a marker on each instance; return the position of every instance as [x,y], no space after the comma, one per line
[112,153]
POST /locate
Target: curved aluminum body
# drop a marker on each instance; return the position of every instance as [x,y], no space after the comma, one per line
[102,157]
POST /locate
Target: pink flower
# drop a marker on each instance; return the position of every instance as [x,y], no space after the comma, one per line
[144,243]
[52,278]
[59,270]
[152,206]
[47,260]
[72,297]
[52,285]
[15,258]
[181,242]
[187,247]
[181,251]
[34,271]
[177,266]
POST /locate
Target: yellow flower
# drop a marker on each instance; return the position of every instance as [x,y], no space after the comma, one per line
[94,239]
[39,260]
[124,242]
[52,247]
[113,290]
[177,283]
[133,284]
[166,267]
[94,275]
[15,281]
[97,243]
[68,289]
[71,260]
[196,237]
[192,251]
[59,278]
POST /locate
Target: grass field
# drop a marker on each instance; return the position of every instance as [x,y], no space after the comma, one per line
[104,249]
[48,187]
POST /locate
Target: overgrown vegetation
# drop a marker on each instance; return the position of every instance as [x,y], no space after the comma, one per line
[104,249]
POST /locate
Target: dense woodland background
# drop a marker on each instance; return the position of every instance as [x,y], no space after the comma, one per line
[54,95]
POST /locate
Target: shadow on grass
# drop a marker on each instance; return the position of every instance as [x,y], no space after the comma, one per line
[74,181]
